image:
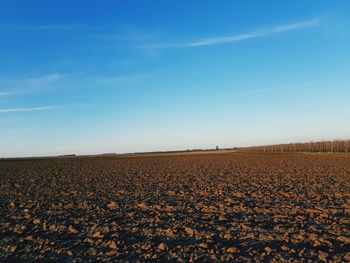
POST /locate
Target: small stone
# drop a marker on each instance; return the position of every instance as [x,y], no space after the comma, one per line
[203,245]
[249,235]
[284,248]
[222,218]
[105,229]
[344,239]
[69,253]
[53,227]
[209,235]
[112,205]
[245,227]
[168,208]
[97,234]
[347,256]
[266,238]
[268,250]
[317,243]
[189,231]
[169,232]
[12,248]
[36,221]
[113,245]
[72,230]
[142,206]
[213,258]
[162,247]
[28,238]
[232,250]
[19,229]
[228,236]
[322,256]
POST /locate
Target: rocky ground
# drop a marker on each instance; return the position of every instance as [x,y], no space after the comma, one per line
[208,207]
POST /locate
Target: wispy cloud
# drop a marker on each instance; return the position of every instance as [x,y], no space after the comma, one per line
[110,80]
[277,88]
[39,27]
[249,92]
[3,94]
[43,80]
[24,85]
[42,108]
[235,38]
[295,26]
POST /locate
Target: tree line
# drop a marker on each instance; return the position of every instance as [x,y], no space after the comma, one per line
[334,146]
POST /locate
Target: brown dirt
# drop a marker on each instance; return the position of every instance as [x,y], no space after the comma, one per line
[224,207]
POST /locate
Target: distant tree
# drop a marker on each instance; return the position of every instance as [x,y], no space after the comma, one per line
[320,146]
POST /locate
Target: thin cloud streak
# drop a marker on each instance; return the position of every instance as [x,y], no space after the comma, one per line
[3,94]
[277,88]
[29,85]
[235,38]
[44,80]
[108,80]
[43,108]
[221,40]
[43,27]
[39,80]
[296,26]
[259,91]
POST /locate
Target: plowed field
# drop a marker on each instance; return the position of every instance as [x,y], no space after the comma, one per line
[207,207]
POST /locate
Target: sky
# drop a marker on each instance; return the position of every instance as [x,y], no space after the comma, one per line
[89,77]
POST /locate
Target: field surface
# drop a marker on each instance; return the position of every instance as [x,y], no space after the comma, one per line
[205,207]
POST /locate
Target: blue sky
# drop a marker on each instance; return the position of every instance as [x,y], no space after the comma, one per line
[122,76]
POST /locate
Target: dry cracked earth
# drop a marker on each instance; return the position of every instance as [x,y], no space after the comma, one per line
[186,208]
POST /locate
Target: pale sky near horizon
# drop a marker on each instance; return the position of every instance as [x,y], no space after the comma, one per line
[89,77]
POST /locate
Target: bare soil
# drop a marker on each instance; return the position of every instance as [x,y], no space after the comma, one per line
[205,207]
